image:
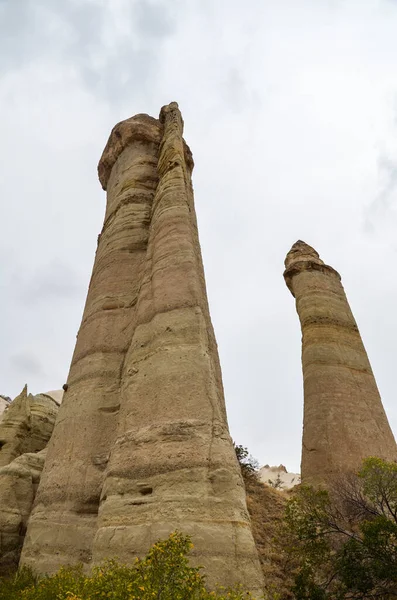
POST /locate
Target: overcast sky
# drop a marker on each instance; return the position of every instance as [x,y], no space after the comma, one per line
[290,109]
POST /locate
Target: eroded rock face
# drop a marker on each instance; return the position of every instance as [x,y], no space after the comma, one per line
[3,405]
[18,484]
[26,425]
[344,420]
[25,430]
[278,477]
[79,450]
[142,446]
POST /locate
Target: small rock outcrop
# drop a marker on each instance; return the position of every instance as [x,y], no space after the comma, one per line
[26,425]
[141,446]
[25,429]
[278,477]
[344,420]
[4,403]
[18,484]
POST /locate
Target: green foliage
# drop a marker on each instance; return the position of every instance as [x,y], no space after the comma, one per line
[367,565]
[248,464]
[344,541]
[12,587]
[164,574]
[306,515]
[379,480]
[277,484]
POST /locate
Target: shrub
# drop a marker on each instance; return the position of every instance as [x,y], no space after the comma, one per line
[164,574]
[248,464]
[344,540]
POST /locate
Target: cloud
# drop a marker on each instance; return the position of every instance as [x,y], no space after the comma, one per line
[54,281]
[114,47]
[382,207]
[287,108]
[26,363]
[388,167]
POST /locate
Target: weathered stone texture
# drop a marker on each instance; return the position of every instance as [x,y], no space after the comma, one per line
[18,484]
[141,446]
[344,420]
[26,425]
[79,450]
[3,406]
[25,430]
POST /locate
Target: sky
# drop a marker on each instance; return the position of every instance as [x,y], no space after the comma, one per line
[290,109]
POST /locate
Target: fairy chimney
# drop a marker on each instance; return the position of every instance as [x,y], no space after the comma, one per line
[344,420]
[141,446]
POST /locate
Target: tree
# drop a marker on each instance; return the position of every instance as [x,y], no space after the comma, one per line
[344,540]
[249,465]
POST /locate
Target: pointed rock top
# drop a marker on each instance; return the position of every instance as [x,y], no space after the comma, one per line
[167,108]
[140,128]
[171,112]
[303,257]
[301,251]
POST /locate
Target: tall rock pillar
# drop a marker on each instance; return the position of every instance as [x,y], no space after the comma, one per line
[64,520]
[167,461]
[173,464]
[344,420]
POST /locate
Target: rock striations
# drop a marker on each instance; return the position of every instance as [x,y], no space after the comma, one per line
[26,425]
[4,403]
[141,446]
[25,429]
[344,420]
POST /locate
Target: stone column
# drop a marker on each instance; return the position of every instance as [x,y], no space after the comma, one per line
[344,420]
[144,420]
[173,464]
[64,520]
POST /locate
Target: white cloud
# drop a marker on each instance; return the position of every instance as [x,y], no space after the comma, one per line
[289,108]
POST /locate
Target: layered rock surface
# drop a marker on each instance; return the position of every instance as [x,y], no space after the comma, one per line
[26,425]
[141,446]
[278,477]
[25,430]
[344,420]
[3,405]
[18,484]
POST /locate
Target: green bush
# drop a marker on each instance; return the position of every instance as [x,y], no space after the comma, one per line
[164,574]
[344,540]
[248,464]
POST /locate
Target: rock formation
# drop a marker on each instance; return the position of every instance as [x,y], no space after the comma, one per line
[141,446]
[344,420]
[266,506]
[18,484]
[25,430]
[3,405]
[26,425]
[278,477]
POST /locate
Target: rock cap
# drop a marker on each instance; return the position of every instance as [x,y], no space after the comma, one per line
[303,257]
[143,128]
